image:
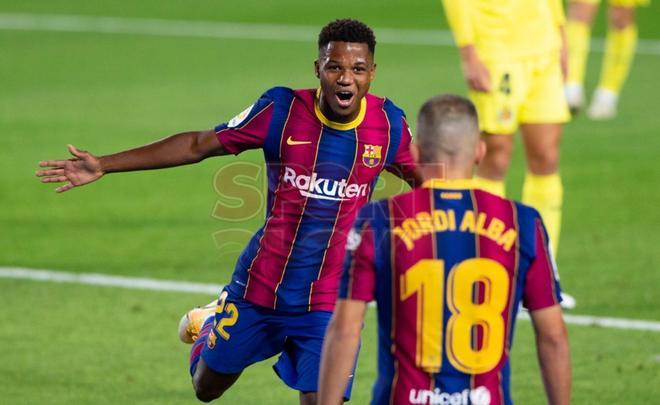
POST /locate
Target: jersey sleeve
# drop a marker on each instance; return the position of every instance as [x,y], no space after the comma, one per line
[460,22]
[249,129]
[403,164]
[358,280]
[541,284]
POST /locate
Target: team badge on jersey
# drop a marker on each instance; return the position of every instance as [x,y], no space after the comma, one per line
[212,338]
[371,156]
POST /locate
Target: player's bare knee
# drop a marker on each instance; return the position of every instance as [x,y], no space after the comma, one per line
[308,398]
[204,392]
[544,164]
[621,17]
[496,162]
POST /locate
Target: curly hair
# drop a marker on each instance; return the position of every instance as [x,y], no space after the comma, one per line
[348,30]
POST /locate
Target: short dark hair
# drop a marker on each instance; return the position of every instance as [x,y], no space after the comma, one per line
[447,128]
[348,30]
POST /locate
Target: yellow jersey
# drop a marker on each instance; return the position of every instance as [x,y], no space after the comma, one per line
[506,29]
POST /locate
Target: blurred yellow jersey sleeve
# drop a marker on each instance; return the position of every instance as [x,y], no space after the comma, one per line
[506,29]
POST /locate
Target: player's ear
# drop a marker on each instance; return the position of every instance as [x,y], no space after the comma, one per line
[372,73]
[480,152]
[317,69]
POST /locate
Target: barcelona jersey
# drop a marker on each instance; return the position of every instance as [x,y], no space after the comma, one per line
[319,173]
[448,266]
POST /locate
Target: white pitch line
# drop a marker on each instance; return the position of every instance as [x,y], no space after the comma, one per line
[233,30]
[109,281]
[213,289]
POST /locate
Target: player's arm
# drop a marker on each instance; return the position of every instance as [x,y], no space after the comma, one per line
[175,150]
[541,295]
[357,287]
[553,353]
[459,18]
[404,166]
[340,347]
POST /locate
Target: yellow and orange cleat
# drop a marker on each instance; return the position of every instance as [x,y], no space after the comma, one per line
[191,323]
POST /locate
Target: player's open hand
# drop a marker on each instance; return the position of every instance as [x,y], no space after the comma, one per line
[477,75]
[475,72]
[83,168]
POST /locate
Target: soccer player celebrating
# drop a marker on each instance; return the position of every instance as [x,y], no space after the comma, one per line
[324,149]
[513,53]
[448,265]
[619,52]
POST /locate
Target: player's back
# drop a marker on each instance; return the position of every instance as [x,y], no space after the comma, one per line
[452,266]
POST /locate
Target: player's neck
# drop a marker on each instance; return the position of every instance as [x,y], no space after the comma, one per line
[444,172]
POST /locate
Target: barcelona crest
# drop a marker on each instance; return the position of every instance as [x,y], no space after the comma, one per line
[212,338]
[371,156]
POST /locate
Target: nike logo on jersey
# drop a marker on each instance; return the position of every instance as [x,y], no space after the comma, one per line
[290,141]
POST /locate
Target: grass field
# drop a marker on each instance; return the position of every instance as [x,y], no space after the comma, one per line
[103,92]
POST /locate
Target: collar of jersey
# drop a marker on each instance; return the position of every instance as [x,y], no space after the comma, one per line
[341,126]
[461,184]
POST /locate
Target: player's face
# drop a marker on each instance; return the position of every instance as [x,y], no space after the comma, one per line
[346,70]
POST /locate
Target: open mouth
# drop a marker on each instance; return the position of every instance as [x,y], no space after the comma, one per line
[344,98]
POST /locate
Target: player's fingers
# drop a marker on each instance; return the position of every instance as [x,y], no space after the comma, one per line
[52,163]
[52,172]
[75,152]
[477,85]
[54,179]
[64,188]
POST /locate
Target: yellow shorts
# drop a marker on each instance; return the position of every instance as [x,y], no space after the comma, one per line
[529,91]
[623,3]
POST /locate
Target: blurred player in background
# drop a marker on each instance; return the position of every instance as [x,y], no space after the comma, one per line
[619,52]
[448,265]
[324,149]
[513,56]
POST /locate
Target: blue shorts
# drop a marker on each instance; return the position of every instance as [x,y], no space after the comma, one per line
[246,333]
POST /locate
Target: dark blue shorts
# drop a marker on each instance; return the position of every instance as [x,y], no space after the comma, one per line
[246,333]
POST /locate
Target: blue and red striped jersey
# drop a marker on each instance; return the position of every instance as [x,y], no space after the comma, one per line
[448,266]
[319,173]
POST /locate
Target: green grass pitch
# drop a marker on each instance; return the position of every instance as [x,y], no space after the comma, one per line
[65,344]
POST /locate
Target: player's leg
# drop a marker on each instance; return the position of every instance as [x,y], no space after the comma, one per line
[307,398]
[620,47]
[542,187]
[210,385]
[196,327]
[493,167]
[298,365]
[236,335]
[541,116]
[578,35]
[498,119]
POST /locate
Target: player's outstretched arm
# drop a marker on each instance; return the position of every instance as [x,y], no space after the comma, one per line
[340,347]
[554,354]
[175,150]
